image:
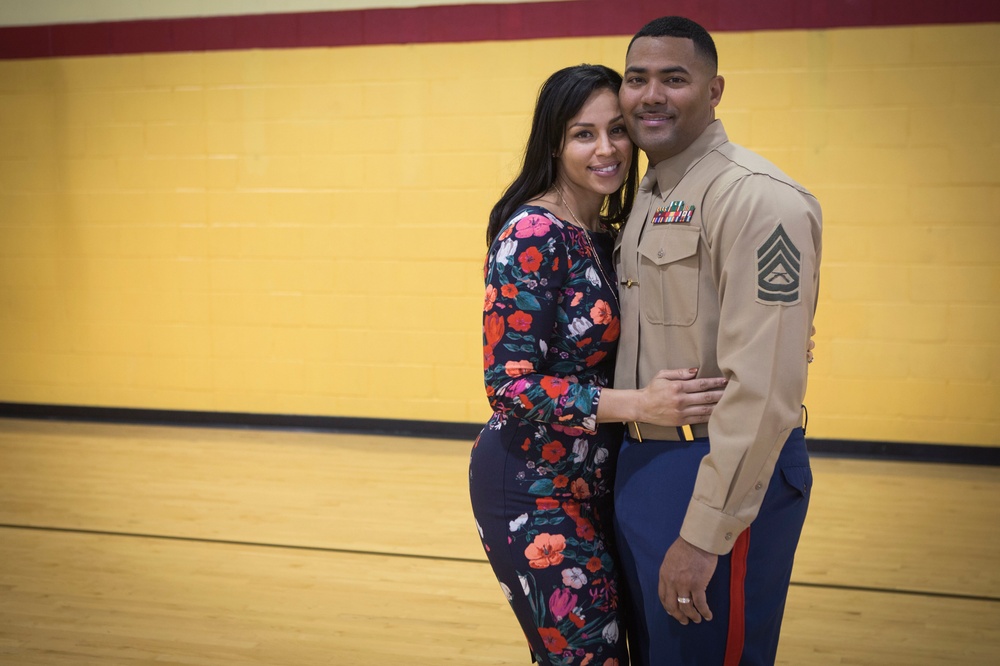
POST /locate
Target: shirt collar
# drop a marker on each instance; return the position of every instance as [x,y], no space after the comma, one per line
[670,171]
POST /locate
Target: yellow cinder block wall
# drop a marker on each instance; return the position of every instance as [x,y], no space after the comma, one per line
[301,231]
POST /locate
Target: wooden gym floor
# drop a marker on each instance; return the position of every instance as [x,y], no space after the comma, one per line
[155,545]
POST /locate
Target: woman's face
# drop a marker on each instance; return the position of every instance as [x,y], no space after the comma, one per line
[596,151]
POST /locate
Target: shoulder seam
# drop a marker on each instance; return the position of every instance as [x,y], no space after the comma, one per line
[747,172]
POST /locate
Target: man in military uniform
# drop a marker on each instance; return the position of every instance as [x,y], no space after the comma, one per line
[719,270]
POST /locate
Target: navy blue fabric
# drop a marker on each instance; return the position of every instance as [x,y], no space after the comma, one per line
[540,475]
[653,487]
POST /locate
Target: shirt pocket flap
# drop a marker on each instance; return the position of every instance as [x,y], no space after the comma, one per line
[799,478]
[665,246]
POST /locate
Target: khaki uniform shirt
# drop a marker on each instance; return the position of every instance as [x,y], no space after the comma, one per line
[719,271]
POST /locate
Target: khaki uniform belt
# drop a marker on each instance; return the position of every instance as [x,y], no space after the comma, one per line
[643,431]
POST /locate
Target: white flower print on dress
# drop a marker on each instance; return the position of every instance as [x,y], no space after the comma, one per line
[518,522]
[506,592]
[574,578]
[593,277]
[524,585]
[580,448]
[506,251]
[580,326]
[610,633]
[600,455]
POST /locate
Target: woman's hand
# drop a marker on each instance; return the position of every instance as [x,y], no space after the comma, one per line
[672,397]
[676,398]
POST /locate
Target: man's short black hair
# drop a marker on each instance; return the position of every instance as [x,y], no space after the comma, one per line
[678,26]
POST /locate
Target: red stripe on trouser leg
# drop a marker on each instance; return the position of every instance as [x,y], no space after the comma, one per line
[737,599]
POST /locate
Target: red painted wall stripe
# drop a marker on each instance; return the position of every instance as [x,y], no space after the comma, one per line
[737,600]
[470,23]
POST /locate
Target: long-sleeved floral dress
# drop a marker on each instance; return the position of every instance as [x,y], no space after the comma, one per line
[541,470]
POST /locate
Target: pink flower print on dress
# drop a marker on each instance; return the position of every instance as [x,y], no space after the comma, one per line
[532,225]
[516,388]
[562,602]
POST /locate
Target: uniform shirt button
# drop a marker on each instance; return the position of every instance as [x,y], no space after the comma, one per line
[759,485]
[660,254]
[729,536]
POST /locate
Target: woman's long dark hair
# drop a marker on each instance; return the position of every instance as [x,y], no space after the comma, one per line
[560,98]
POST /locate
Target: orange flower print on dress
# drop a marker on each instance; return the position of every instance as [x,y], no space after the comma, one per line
[520,321]
[519,368]
[576,299]
[491,298]
[546,503]
[595,358]
[553,640]
[581,490]
[530,260]
[555,386]
[545,551]
[613,330]
[601,312]
[493,332]
[493,328]
[594,565]
[553,452]
[509,291]
[585,529]
[561,481]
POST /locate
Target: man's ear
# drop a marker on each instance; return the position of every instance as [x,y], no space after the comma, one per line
[715,90]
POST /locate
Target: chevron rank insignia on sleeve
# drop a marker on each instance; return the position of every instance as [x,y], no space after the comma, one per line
[778,269]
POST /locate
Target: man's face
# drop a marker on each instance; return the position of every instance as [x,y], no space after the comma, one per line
[668,96]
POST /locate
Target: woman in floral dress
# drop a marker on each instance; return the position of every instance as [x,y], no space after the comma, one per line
[541,470]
